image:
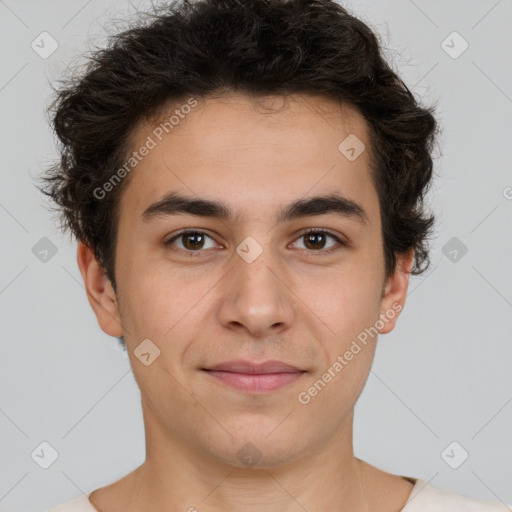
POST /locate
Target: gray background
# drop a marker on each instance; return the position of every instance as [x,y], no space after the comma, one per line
[443,375]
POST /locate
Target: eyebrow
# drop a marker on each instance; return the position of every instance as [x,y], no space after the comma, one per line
[175,203]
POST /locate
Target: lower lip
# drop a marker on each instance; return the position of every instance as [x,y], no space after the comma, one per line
[255,382]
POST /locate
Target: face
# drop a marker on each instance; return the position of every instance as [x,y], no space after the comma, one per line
[248,281]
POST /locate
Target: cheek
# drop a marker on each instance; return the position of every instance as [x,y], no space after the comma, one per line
[345,300]
[349,305]
[166,305]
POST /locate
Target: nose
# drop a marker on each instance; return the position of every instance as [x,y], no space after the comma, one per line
[256,297]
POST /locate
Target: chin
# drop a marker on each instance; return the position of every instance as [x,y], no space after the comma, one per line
[259,445]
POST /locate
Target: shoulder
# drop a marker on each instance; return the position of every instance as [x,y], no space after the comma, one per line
[426,498]
[80,504]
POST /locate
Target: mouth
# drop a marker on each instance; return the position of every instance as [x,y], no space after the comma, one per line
[254,382]
[255,377]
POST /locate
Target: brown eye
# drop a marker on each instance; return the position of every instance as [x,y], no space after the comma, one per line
[190,241]
[315,240]
[193,240]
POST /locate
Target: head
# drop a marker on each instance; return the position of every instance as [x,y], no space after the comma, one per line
[247,124]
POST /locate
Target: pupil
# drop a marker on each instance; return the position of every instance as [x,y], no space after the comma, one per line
[312,235]
[194,244]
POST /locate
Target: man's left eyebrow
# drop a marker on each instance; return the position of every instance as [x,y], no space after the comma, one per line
[321,205]
[174,203]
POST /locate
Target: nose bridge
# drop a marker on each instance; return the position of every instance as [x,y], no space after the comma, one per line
[255,296]
[253,271]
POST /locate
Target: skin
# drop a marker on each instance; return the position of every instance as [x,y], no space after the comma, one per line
[292,304]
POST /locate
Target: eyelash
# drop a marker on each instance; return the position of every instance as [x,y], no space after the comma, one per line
[322,252]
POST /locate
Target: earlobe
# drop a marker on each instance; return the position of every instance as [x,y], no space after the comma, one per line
[395,292]
[100,293]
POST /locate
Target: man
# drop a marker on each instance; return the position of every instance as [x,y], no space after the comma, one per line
[245,181]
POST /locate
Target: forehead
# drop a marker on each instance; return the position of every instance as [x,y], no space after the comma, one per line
[257,151]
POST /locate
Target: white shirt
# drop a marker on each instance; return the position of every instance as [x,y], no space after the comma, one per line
[423,498]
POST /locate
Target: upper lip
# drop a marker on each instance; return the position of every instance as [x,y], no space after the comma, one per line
[240,366]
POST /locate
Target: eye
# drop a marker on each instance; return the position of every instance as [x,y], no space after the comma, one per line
[192,241]
[315,239]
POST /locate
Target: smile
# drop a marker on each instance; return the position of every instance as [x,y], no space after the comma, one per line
[252,382]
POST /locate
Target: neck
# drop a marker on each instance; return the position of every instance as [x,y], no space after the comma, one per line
[181,476]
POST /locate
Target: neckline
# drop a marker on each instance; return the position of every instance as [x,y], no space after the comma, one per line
[418,485]
[417,482]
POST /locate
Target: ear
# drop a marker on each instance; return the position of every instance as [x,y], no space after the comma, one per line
[100,293]
[395,291]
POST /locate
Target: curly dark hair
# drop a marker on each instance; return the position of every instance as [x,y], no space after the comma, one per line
[255,47]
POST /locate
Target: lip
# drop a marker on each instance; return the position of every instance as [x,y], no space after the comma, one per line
[255,377]
[241,366]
